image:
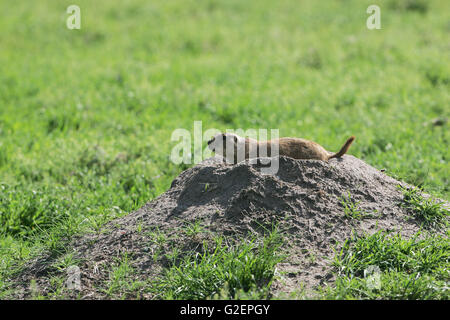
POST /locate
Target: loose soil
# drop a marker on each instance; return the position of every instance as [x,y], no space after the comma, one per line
[304,199]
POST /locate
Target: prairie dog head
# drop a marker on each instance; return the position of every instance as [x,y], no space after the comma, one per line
[222,142]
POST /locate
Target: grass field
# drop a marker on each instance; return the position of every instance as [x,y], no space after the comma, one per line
[86,115]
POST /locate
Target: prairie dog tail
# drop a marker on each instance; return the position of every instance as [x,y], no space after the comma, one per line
[344,148]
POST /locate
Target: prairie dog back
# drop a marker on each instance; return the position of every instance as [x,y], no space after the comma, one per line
[296,148]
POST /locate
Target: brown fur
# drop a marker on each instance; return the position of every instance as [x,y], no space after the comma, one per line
[296,148]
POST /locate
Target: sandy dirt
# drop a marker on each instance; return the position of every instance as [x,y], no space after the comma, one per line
[304,198]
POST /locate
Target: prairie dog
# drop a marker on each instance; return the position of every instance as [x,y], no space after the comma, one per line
[246,148]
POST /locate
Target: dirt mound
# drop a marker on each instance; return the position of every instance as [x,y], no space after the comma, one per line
[304,197]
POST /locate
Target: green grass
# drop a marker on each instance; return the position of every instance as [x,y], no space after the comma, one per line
[416,268]
[225,271]
[394,286]
[86,115]
[123,283]
[351,208]
[193,229]
[429,212]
